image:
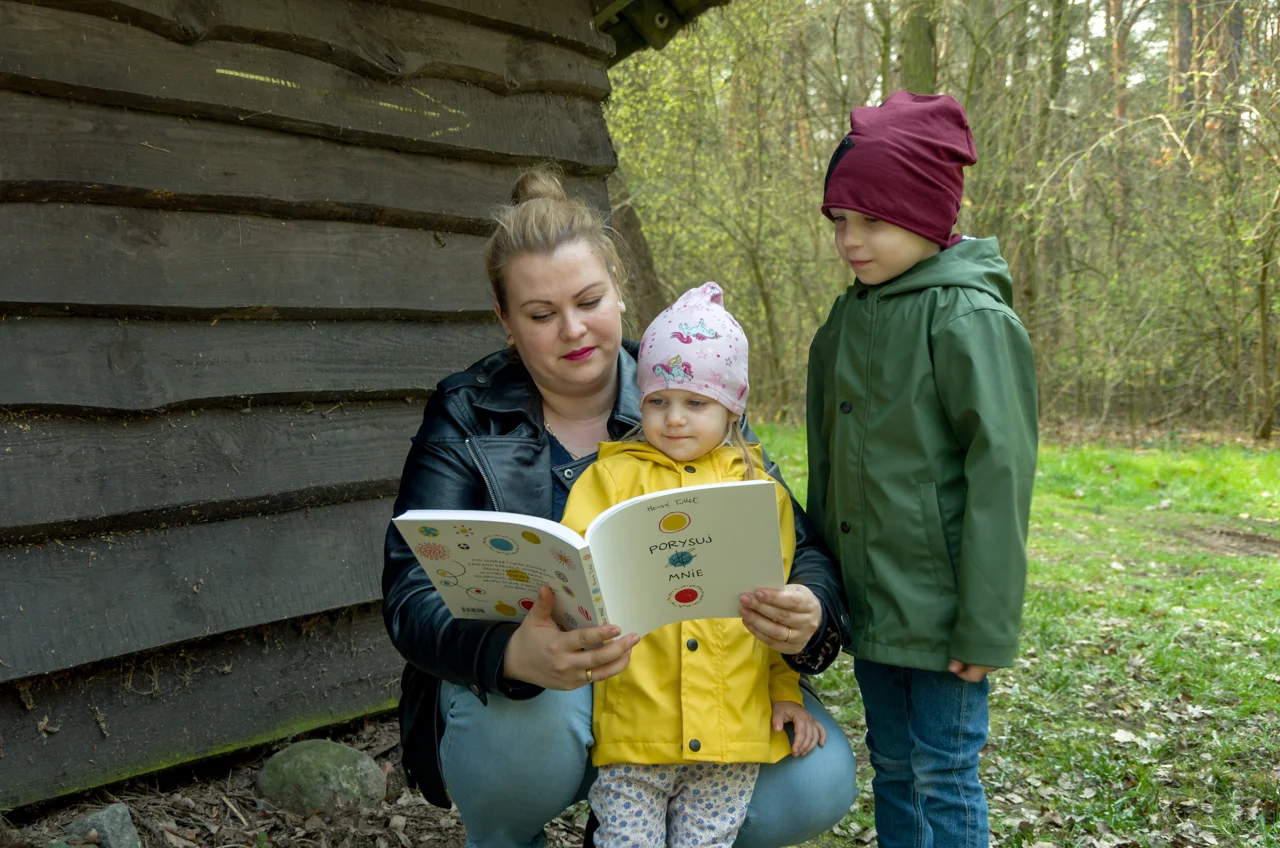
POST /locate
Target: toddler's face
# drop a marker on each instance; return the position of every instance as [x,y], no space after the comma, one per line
[683,425]
[876,250]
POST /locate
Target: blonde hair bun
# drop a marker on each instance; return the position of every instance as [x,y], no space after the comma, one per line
[542,182]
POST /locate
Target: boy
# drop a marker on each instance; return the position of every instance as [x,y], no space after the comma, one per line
[922,450]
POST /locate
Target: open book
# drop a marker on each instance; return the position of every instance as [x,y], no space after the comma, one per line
[645,563]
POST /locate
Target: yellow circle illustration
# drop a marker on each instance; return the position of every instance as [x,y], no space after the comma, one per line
[530,536]
[505,609]
[518,575]
[673,522]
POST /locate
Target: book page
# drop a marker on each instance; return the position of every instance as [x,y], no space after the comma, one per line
[686,553]
[489,565]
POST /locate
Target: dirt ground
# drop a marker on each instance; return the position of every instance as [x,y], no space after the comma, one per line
[215,805]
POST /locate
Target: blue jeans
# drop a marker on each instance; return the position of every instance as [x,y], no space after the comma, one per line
[924,732]
[513,766]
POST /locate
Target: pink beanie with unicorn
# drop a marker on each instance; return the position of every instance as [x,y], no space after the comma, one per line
[696,346]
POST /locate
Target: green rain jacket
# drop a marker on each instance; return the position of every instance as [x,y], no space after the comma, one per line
[922,449]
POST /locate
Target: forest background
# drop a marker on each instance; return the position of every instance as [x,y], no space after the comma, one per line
[1129,163]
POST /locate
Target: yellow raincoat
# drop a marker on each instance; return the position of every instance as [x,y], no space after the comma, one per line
[696,691]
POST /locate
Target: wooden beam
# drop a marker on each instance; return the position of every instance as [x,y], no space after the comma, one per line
[384,43]
[78,477]
[247,84]
[55,150]
[156,588]
[138,714]
[121,262]
[92,364]
[563,22]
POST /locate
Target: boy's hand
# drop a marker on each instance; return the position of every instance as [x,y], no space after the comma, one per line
[808,731]
[971,673]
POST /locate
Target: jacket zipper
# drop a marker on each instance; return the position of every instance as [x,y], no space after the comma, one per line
[485,477]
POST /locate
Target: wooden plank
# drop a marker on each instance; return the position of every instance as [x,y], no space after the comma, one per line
[248,84]
[139,714]
[568,22]
[55,150]
[102,260]
[109,365]
[78,477]
[163,587]
[384,43]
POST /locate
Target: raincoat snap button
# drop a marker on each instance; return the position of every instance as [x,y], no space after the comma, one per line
[568,474]
[695,745]
[845,406]
[692,644]
[844,527]
[862,295]
[690,469]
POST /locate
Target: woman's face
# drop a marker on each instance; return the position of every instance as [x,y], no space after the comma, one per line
[564,317]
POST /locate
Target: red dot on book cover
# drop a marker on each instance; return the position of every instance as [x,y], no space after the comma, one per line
[527,604]
[687,596]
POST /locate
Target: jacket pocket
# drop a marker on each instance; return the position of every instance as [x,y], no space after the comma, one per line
[940,558]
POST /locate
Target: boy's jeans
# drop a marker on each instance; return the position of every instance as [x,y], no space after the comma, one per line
[924,732]
[514,765]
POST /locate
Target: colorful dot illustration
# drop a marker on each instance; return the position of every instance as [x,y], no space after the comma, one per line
[685,596]
[584,612]
[567,590]
[531,537]
[517,575]
[429,532]
[674,522]
[680,559]
[504,609]
[560,575]
[526,604]
[431,550]
[502,544]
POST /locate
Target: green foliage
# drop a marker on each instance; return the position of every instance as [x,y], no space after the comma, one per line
[1132,186]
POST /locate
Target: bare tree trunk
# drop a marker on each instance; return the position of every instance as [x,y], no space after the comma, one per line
[645,295]
[884,16]
[918,67]
[1181,88]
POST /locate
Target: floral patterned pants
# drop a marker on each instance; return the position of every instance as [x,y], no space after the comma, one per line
[678,805]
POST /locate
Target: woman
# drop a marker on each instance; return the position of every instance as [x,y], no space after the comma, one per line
[501,714]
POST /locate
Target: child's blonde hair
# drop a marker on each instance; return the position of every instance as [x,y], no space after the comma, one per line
[540,219]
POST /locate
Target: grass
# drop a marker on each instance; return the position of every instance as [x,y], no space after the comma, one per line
[1145,705]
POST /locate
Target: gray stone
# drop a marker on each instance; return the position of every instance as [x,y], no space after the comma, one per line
[114,825]
[321,775]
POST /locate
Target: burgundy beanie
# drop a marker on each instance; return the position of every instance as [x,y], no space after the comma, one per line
[902,162]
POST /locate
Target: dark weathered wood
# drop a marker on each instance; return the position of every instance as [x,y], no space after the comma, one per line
[385,43]
[247,84]
[158,588]
[119,718]
[59,150]
[568,22]
[102,364]
[103,260]
[67,476]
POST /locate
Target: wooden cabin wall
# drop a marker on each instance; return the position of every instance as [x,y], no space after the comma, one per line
[239,243]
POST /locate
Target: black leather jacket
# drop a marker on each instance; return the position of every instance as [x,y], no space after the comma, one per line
[483,445]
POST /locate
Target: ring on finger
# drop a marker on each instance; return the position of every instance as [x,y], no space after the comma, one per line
[588,675]
[788,639]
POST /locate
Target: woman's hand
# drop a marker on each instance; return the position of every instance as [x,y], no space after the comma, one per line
[541,654]
[784,619]
[809,732]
